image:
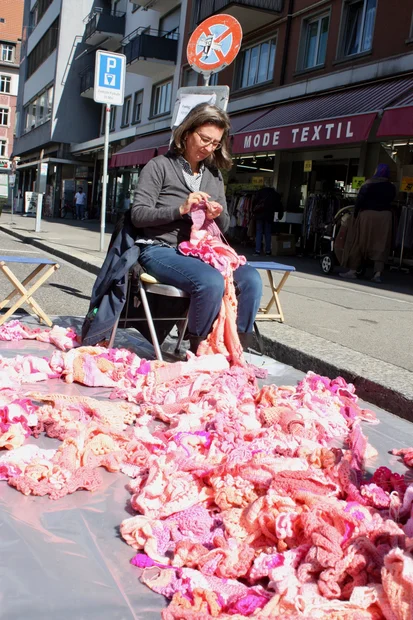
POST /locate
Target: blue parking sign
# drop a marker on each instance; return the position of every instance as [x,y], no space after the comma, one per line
[109,77]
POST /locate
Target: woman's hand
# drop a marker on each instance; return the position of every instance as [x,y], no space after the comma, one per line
[214,209]
[193,199]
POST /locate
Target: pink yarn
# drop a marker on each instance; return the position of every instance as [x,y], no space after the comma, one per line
[240,486]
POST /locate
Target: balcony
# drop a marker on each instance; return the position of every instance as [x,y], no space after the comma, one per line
[151,52]
[162,6]
[87,81]
[105,28]
[251,14]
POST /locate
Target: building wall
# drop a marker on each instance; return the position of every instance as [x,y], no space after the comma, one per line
[12,12]
[10,32]
[391,33]
[392,43]
[134,83]
[74,118]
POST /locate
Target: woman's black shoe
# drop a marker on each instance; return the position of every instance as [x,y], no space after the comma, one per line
[247,340]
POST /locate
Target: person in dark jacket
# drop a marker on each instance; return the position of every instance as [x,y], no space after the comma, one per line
[167,188]
[372,225]
[267,203]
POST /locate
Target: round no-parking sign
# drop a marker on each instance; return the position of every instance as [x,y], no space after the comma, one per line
[214,44]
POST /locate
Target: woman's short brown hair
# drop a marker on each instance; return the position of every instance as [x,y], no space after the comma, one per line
[204,114]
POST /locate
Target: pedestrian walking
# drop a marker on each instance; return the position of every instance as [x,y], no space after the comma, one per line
[371,233]
[80,203]
[267,203]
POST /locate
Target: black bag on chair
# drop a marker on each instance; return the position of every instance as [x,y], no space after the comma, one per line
[109,294]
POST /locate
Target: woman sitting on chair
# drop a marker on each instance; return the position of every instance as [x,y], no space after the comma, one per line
[168,186]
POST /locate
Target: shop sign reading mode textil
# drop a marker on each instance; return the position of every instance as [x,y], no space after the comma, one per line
[320,133]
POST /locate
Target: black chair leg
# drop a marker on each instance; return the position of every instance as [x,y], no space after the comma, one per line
[259,338]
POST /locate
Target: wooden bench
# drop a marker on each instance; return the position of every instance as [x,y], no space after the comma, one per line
[26,294]
[270,267]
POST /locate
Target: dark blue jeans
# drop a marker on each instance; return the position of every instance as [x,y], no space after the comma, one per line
[80,211]
[205,286]
[263,228]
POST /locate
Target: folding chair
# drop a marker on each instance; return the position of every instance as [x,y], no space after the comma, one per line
[149,284]
[270,266]
[26,294]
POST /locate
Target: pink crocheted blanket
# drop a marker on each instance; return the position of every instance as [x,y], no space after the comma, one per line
[247,501]
[208,243]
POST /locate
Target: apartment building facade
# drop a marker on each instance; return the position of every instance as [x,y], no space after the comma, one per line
[318,92]
[60,129]
[11,17]
[316,81]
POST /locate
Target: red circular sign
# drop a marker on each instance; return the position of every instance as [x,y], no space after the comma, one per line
[214,44]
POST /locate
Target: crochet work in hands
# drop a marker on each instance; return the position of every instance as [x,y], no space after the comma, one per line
[208,243]
[244,505]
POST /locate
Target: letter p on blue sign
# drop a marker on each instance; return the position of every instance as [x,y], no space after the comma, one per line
[109,78]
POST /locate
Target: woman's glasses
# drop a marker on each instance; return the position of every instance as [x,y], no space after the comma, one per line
[205,141]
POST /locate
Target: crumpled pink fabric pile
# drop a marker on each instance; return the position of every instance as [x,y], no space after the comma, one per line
[249,501]
[208,243]
[63,338]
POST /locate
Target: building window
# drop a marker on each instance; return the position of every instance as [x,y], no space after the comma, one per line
[7,52]
[169,24]
[126,112]
[5,84]
[137,107]
[257,64]
[43,49]
[314,42]
[39,110]
[112,121]
[161,98]
[3,148]
[102,120]
[213,80]
[2,20]
[4,117]
[359,17]
[50,92]
[38,11]
[189,77]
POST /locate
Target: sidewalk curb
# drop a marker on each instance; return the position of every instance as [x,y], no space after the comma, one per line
[369,390]
[73,260]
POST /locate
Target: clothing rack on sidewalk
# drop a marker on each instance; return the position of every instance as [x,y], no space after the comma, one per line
[319,212]
[404,237]
[240,209]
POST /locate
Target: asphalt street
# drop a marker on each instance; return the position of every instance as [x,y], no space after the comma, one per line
[66,293]
[375,320]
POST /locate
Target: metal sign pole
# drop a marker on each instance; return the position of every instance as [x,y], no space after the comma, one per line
[105,179]
[12,204]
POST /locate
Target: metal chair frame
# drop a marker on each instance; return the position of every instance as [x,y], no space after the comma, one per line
[149,284]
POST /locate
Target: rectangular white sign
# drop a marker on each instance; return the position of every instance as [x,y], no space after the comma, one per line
[109,84]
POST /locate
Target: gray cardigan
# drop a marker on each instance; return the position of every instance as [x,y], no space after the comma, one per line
[162,190]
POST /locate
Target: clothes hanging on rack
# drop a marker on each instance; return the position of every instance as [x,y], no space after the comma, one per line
[404,236]
[319,212]
[240,209]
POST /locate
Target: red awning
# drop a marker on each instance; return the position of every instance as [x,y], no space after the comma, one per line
[241,121]
[139,152]
[398,122]
[341,117]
